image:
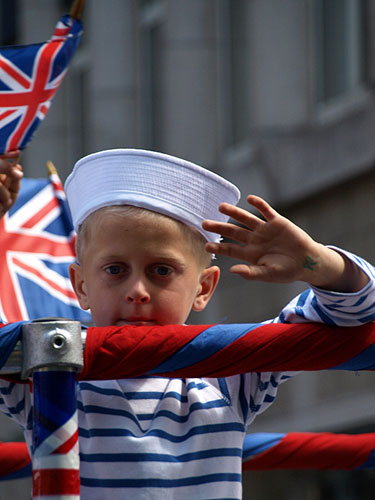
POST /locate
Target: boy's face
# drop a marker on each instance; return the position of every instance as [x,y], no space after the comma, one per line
[140,271]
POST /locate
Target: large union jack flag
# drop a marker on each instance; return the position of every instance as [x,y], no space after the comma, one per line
[29,78]
[37,246]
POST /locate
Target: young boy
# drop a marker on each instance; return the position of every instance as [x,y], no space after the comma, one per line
[145,222]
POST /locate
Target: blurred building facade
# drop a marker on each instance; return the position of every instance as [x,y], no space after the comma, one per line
[275,95]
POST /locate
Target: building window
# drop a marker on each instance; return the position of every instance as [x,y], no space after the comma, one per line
[340,29]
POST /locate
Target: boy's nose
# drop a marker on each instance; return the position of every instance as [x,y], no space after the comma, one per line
[137,293]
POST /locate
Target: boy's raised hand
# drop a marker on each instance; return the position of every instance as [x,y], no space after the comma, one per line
[10,181]
[275,250]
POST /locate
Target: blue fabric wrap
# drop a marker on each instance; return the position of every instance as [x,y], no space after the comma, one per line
[18,474]
[365,360]
[369,464]
[258,442]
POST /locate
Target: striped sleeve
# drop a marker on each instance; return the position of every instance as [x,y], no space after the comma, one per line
[258,391]
[334,308]
[15,402]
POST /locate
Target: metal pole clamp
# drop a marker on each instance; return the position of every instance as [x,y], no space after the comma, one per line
[53,344]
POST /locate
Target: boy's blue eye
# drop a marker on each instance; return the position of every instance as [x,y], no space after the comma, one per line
[113,269]
[162,270]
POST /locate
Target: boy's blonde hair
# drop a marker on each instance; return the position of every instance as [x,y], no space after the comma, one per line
[195,240]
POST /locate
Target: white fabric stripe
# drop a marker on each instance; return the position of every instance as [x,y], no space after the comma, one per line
[57,438]
[31,207]
[110,445]
[16,287]
[160,470]
[24,256]
[11,82]
[50,274]
[61,461]
[228,490]
[46,220]
[55,83]
[17,112]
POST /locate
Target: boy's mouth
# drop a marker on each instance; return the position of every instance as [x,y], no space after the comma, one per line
[136,322]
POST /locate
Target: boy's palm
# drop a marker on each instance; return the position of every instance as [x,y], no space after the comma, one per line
[273,249]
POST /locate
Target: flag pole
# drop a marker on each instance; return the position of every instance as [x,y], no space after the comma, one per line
[76,9]
[51,169]
[58,188]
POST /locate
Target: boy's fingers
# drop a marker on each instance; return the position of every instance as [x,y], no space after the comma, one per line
[8,167]
[240,215]
[242,270]
[9,160]
[10,178]
[250,221]
[227,250]
[10,183]
[227,230]
[13,185]
[5,199]
[11,154]
[5,166]
[16,172]
[254,273]
[262,206]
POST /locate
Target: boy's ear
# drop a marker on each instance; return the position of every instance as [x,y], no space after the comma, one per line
[76,278]
[208,282]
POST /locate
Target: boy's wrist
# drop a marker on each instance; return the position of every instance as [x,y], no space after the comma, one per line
[329,269]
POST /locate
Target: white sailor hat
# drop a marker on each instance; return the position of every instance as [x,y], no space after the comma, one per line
[151,180]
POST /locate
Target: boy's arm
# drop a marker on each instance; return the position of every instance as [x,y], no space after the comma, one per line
[10,181]
[276,250]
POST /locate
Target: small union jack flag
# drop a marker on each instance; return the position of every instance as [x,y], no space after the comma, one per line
[29,78]
[37,246]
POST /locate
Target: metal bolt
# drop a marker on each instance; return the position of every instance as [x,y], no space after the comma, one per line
[58,341]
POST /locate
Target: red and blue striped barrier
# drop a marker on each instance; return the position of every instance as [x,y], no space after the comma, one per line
[309,450]
[225,350]
[215,350]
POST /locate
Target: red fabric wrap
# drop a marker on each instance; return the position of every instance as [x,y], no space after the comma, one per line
[305,450]
[130,351]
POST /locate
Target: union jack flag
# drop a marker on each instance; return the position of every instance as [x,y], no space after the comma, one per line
[29,78]
[37,246]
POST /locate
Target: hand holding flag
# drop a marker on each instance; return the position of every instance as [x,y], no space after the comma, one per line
[10,181]
[29,78]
